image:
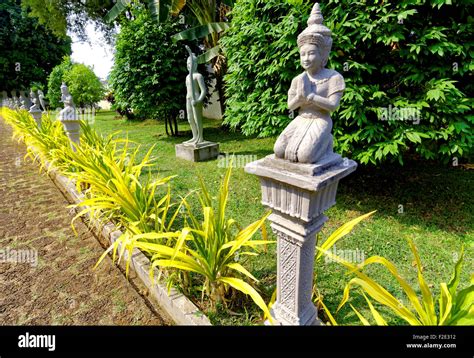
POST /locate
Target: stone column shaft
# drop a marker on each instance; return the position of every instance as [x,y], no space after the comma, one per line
[298,195]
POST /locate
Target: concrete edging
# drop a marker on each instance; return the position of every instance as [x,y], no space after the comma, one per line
[176,305]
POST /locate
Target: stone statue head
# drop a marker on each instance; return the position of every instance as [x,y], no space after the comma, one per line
[192,61]
[315,42]
[64,89]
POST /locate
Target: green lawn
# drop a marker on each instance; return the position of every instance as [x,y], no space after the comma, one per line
[429,203]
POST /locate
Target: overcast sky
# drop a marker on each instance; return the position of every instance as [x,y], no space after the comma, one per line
[95,53]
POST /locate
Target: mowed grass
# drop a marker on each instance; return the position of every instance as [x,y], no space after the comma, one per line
[429,203]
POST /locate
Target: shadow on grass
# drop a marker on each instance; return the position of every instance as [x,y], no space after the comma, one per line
[419,193]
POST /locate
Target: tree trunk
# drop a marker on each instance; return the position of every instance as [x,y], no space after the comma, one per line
[166,127]
[175,120]
[171,126]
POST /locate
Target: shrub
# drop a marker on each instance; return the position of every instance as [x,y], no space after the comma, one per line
[114,192]
[262,56]
[209,249]
[44,143]
[401,55]
[84,86]
[124,112]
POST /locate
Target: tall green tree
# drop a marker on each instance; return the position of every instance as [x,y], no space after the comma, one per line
[29,50]
[394,55]
[83,84]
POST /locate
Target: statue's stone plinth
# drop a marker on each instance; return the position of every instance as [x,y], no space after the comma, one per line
[72,126]
[36,114]
[73,131]
[198,153]
[298,195]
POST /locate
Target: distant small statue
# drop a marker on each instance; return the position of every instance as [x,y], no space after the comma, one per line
[69,118]
[23,102]
[16,100]
[315,94]
[5,99]
[32,95]
[34,100]
[68,113]
[41,100]
[195,93]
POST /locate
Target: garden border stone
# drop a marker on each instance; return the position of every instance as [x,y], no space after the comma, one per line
[176,305]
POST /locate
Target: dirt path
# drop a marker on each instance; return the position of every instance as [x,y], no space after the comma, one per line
[62,289]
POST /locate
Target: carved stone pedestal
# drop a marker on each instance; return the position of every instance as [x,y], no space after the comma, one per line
[72,125]
[37,116]
[298,195]
[73,132]
[197,153]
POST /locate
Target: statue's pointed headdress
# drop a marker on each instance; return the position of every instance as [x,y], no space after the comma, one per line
[316,33]
[191,57]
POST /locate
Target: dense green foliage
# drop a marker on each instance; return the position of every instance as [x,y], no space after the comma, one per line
[394,55]
[263,58]
[28,50]
[150,70]
[83,84]
[62,15]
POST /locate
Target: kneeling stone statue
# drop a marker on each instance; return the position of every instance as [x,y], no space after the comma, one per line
[299,181]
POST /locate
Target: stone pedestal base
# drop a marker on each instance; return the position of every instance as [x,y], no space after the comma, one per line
[73,131]
[200,153]
[37,117]
[298,195]
[278,313]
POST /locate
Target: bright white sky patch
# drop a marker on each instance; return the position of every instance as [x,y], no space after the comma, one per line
[95,53]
